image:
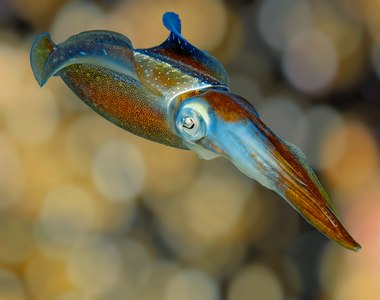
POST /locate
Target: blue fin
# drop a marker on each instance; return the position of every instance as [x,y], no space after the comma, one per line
[177,48]
[42,47]
[101,48]
[173,23]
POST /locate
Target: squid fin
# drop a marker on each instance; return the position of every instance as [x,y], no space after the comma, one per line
[177,48]
[42,47]
[100,48]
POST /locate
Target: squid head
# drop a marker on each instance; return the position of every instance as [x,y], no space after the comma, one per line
[178,95]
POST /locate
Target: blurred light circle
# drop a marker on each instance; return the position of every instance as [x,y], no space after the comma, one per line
[321,122]
[358,162]
[370,11]
[344,28]
[10,72]
[216,202]
[76,17]
[33,117]
[156,280]
[255,282]
[94,265]
[220,259]
[118,170]
[11,287]
[280,20]
[310,61]
[45,169]
[331,267]
[136,259]
[169,163]
[37,12]
[346,31]
[208,223]
[12,177]
[247,88]
[233,38]
[44,277]
[74,296]
[68,215]
[364,205]
[192,284]
[122,291]
[291,276]
[16,238]
[358,284]
[84,137]
[281,224]
[285,118]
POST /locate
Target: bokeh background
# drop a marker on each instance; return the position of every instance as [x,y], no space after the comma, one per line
[90,212]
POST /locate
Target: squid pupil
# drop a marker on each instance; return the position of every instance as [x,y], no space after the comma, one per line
[188,123]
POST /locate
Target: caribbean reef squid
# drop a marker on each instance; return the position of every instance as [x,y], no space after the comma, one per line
[178,95]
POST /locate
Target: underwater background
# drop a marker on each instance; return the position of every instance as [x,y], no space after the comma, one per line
[90,212]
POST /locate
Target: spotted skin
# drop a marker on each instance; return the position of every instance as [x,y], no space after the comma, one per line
[178,95]
[114,97]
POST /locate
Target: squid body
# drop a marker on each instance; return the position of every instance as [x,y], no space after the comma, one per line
[178,95]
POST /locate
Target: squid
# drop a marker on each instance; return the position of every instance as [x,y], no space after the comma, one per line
[178,95]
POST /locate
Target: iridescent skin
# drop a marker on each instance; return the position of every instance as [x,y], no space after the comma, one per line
[178,95]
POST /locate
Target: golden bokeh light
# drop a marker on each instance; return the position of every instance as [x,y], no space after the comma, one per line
[192,284]
[358,163]
[321,121]
[286,118]
[331,268]
[83,137]
[82,15]
[11,68]
[12,177]
[46,278]
[220,260]
[94,265]
[136,261]
[247,88]
[75,296]
[16,238]
[363,204]
[210,200]
[171,163]
[255,281]
[40,13]
[11,286]
[67,216]
[118,170]
[280,20]
[33,111]
[362,284]
[310,61]
[157,279]
[347,34]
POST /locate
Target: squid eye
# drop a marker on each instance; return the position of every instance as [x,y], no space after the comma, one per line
[190,125]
